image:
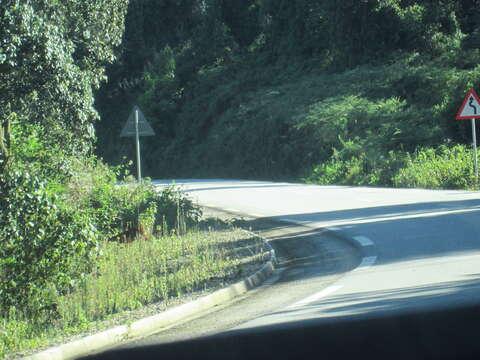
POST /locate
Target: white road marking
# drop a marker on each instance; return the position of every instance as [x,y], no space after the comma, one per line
[325,292]
[333,228]
[381,218]
[363,240]
[293,221]
[366,263]
[366,200]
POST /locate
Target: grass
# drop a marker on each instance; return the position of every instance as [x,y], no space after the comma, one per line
[130,276]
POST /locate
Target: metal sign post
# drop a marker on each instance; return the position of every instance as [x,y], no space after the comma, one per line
[137,126]
[137,147]
[474,134]
[470,109]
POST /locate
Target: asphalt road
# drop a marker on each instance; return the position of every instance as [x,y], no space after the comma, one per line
[416,249]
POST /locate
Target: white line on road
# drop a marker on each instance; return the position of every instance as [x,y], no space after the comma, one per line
[333,228]
[366,263]
[363,240]
[292,221]
[390,217]
[315,297]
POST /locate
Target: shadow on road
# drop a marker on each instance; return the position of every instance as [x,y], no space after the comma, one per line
[436,230]
[373,303]
[385,212]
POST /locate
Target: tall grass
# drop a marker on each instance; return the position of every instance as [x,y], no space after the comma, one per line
[129,276]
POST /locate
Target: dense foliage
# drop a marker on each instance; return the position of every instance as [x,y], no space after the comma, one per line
[52,55]
[44,247]
[328,91]
[57,200]
[274,89]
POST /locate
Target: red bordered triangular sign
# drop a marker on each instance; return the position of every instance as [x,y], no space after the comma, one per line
[470,108]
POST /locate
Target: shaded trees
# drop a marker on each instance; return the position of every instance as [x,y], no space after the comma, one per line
[190,63]
[52,54]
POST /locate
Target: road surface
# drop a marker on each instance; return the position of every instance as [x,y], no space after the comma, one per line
[416,249]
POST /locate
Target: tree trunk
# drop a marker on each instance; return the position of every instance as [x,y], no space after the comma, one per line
[5,142]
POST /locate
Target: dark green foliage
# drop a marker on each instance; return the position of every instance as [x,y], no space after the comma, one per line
[284,94]
[359,169]
[242,17]
[45,247]
[286,120]
[32,153]
[50,230]
[57,201]
[53,53]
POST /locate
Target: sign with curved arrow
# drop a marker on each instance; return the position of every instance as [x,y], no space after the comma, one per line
[470,109]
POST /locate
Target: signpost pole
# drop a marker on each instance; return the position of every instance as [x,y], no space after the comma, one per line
[474,135]
[137,126]
[470,109]
[137,145]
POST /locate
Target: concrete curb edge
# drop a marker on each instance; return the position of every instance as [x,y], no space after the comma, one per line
[109,338]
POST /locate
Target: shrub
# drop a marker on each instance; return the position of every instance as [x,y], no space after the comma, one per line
[175,210]
[353,166]
[44,248]
[121,211]
[442,168]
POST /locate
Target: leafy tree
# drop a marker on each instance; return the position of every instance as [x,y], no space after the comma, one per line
[242,18]
[52,54]
[191,63]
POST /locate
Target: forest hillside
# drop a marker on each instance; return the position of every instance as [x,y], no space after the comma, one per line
[352,92]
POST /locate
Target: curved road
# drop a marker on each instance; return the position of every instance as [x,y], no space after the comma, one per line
[419,249]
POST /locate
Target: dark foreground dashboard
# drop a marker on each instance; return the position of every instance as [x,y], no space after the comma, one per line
[440,334]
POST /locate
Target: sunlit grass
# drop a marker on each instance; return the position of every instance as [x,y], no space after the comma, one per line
[129,276]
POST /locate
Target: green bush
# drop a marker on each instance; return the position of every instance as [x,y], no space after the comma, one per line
[442,168]
[434,168]
[32,153]
[50,234]
[44,248]
[175,210]
[354,166]
[116,208]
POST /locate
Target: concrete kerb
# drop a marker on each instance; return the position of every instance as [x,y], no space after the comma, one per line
[147,326]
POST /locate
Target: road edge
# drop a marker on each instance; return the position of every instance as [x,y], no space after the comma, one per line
[110,338]
[365,247]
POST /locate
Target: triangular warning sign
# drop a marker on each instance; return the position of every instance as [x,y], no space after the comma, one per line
[144,128]
[470,108]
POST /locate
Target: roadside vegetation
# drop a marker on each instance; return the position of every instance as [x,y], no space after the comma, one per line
[350,92]
[80,241]
[129,276]
[324,91]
